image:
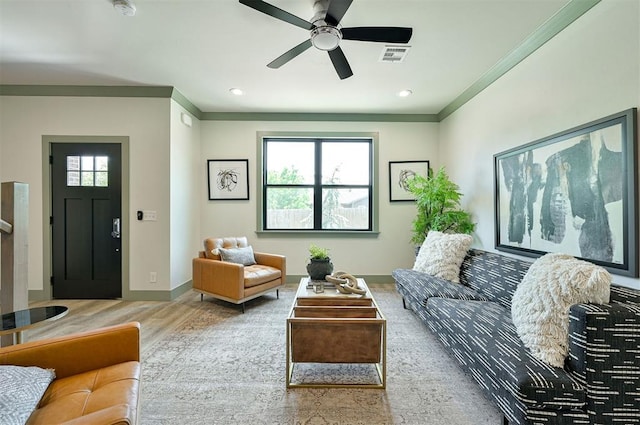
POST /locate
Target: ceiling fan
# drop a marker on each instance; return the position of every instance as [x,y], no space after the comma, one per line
[326,33]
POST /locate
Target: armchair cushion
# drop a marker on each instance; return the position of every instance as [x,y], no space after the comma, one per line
[258,274]
[242,255]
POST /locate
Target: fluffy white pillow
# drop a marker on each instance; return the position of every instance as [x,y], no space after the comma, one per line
[541,302]
[441,254]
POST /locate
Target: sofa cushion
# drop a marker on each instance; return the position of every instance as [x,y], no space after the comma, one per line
[242,255]
[493,275]
[441,254]
[483,339]
[21,389]
[258,274]
[540,305]
[108,395]
[423,286]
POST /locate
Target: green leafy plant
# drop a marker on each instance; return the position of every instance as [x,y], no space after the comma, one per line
[438,203]
[317,253]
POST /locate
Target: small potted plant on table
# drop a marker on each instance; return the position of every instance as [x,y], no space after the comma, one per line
[319,263]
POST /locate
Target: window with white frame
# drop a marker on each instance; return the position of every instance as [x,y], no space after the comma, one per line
[317,184]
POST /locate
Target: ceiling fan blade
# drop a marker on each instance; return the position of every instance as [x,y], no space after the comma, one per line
[340,63]
[378,34]
[287,56]
[277,13]
[336,10]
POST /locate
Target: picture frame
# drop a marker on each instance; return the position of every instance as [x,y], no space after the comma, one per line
[573,192]
[228,179]
[399,173]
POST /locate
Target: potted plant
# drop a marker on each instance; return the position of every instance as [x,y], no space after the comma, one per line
[319,263]
[438,203]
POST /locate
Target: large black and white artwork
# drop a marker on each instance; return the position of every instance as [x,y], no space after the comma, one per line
[573,192]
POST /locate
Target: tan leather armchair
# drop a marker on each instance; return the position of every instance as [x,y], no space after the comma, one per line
[233,282]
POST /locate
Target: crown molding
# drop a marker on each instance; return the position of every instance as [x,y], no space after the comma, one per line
[303,116]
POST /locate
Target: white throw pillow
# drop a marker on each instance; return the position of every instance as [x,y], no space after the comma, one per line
[541,302]
[21,389]
[441,254]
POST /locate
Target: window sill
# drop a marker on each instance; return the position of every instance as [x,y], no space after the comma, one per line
[319,233]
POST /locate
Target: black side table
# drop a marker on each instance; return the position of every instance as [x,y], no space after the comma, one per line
[18,321]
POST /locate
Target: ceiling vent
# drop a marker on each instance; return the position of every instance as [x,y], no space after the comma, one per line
[394,54]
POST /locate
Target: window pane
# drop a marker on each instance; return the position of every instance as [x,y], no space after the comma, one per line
[345,209]
[73,163]
[87,178]
[290,161]
[289,208]
[73,178]
[87,163]
[345,163]
[102,178]
[102,163]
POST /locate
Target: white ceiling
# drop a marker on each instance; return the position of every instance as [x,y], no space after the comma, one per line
[205,47]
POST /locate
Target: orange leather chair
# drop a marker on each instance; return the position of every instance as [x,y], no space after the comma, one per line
[236,282]
[97,375]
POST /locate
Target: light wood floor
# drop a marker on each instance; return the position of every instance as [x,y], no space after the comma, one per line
[157,318]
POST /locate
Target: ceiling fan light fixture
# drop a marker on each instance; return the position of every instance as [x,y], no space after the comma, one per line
[125,7]
[325,37]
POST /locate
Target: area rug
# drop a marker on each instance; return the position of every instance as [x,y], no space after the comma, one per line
[219,366]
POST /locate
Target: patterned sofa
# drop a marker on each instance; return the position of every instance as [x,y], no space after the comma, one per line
[600,382]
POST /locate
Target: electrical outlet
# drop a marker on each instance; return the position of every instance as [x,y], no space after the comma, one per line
[153,277]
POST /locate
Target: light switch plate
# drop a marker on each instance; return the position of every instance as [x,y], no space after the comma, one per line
[149,215]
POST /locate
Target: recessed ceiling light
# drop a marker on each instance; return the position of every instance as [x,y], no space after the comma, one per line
[236,91]
[405,93]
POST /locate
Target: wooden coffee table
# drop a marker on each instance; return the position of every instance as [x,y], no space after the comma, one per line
[330,327]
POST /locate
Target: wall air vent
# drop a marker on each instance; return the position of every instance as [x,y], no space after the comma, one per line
[394,54]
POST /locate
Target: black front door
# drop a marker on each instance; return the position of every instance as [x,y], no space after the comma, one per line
[86,220]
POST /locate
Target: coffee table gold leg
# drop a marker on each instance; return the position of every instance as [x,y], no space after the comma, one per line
[384,355]
[288,368]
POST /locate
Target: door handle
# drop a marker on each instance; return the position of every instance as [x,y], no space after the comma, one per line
[115,229]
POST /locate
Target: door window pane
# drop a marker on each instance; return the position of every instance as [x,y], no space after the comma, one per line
[87,178]
[102,179]
[73,178]
[102,163]
[87,163]
[73,163]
